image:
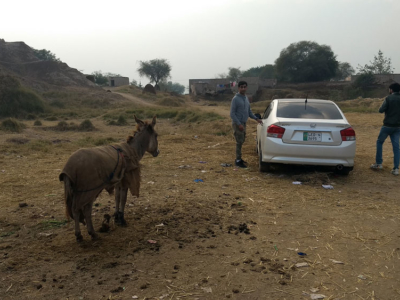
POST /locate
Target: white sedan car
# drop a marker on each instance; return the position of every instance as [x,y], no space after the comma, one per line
[305,132]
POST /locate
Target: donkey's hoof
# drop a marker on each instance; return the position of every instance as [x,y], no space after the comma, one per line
[79,238]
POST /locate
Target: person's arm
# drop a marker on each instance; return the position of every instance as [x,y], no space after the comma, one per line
[384,106]
[233,112]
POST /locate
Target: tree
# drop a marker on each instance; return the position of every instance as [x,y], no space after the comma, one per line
[45,55]
[306,61]
[234,74]
[380,65]
[344,71]
[156,70]
[133,82]
[100,78]
[172,87]
[264,72]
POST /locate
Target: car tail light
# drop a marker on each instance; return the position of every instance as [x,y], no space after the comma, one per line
[348,134]
[275,131]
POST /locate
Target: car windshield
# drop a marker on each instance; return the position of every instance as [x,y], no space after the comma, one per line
[310,110]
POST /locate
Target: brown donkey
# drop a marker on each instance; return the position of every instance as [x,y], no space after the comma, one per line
[91,170]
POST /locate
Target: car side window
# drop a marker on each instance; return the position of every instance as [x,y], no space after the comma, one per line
[268,111]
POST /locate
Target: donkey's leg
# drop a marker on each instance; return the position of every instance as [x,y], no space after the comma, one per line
[123,196]
[117,204]
[78,235]
[87,211]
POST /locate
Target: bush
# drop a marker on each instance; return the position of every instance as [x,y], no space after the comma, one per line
[62,126]
[121,121]
[86,126]
[17,101]
[51,118]
[364,81]
[12,125]
[37,123]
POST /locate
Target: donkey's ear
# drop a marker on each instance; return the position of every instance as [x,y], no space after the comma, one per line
[154,120]
[140,122]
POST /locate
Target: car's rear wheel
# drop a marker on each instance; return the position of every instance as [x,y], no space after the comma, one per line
[262,166]
[345,171]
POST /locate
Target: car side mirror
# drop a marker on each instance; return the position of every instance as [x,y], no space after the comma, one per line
[258,116]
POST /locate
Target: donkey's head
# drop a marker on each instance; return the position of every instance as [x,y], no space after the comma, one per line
[148,135]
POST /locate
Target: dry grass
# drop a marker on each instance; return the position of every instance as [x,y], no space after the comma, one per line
[195,255]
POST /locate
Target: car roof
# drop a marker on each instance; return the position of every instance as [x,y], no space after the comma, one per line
[301,100]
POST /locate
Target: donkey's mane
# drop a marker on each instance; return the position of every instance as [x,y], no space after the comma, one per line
[147,126]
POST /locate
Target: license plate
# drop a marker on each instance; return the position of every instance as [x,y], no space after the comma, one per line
[312,136]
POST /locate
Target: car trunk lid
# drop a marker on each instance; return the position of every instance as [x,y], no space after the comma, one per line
[312,132]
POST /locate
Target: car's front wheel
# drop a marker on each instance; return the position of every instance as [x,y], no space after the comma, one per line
[262,166]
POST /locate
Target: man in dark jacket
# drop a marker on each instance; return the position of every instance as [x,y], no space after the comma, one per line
[240,112]
[391,127]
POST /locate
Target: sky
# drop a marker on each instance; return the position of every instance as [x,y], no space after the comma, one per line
[200,39]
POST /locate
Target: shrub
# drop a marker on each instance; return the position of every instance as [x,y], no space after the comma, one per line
[17,101]
[51,118]
[37,123]
[62,126]
[364,81]
[121,121]
[86,125]
[12,125]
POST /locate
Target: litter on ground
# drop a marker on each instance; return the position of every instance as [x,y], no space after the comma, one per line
[327,186]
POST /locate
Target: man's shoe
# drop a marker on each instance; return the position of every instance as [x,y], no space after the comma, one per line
[240,164]
[376,166]
[395,171]
[245,162]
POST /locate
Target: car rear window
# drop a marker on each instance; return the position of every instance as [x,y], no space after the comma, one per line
[298,110]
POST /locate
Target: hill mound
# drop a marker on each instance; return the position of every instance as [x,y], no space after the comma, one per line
[18,59]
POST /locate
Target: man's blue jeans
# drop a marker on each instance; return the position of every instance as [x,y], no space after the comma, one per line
[394,133]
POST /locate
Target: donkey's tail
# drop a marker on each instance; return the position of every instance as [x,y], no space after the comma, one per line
[69,198]
[68,195]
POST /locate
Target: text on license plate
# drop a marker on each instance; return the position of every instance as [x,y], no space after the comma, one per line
[312,136]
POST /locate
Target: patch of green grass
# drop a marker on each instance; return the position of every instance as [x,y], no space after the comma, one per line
[91,142]
[6,234]
[221,133]
[39,146]
[49,224]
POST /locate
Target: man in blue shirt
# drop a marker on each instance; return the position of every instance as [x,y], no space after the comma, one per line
[240,112]
[391,127]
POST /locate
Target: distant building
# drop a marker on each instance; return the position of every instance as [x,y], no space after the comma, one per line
[118,81]
[225,86]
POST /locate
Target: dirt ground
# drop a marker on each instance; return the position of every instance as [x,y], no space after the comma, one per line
[234,234]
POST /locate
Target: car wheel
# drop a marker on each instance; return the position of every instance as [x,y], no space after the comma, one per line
[345,171]
[262,166]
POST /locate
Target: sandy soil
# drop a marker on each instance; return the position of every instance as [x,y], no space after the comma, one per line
[234,235]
